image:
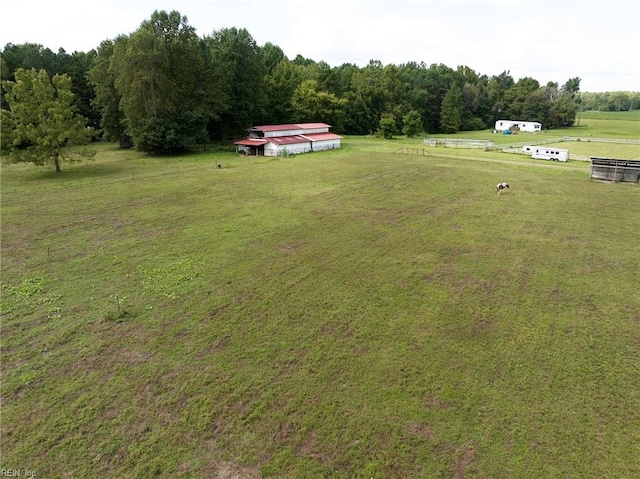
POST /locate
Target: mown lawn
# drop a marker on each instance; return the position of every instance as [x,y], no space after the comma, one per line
[354,313]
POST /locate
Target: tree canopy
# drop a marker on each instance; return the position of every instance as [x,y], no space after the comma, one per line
[41,125]
[157,76]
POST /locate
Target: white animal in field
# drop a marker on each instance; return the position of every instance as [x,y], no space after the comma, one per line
[501,186]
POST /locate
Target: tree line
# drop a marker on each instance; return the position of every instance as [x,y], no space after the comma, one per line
[610,101]
[163,89]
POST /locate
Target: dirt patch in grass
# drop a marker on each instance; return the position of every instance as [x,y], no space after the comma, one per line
[433,402]
[217,311]
[311,448]
[462,462]
[480,325]
[229,470]
[290,247]
[420,430]
[135,357]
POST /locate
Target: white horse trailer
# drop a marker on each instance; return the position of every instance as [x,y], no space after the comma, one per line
[544,153]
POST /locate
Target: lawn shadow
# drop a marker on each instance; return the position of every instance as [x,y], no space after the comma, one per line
[80,172]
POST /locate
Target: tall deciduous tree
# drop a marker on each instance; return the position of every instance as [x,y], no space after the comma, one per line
[412,123]
[103,76]
[366,100]
[240,57]
[451,112]
[311,104]
[158,71]
[387,127]
[280,84]
[516,96]
[537,107]
[41,126]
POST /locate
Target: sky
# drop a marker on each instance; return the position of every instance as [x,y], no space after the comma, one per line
[548,40]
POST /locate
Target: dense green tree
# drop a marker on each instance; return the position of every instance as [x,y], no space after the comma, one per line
[396,94]
[107,98]
[41,125]
[240,57]
[516,96]
[572,86]
[497,87]
[562,104]
[157,72]
[339,80]
[414,75]
[619,101]
[563,112]
[451,113]
[476,106]
[311,104]
[77,67]
[387,127]
[537,107]
[280,84]
[366,100]
[271,56]
[28,56]
[439,79]
[412,123]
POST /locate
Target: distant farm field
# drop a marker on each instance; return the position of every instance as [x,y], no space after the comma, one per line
[633,115]
[352,313]
[623,124]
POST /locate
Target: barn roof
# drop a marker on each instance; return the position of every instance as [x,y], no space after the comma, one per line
[290,126]
[289,140]
[251,142]
[323,136]
[613,162]
[520,121]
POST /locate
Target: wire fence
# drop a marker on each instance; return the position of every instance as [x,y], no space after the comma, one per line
[628,141]
[459,143]
[414,151]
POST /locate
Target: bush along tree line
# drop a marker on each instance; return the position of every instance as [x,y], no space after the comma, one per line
[164,89]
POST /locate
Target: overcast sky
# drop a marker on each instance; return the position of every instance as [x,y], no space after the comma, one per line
[549,40]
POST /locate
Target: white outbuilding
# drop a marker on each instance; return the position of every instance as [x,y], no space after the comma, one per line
[289,139]
[528,126]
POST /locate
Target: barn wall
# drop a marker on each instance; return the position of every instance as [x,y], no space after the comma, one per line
[293,148]
[326,145]
[611,173]
[270,149]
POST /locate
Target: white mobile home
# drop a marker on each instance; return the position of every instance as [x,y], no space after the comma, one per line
[544,153]
[528,126]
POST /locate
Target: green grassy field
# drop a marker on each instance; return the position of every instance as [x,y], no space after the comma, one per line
[600,124]
[353,313]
